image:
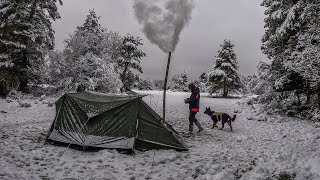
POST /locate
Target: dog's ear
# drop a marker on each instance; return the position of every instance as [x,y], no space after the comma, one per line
[206,108]
[209,108]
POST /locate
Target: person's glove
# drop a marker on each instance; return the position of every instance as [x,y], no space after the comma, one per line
[187,100]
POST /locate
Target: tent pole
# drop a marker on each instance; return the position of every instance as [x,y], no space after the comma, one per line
[165,88]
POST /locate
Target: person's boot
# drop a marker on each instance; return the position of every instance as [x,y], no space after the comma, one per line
[190,128]
[199,127]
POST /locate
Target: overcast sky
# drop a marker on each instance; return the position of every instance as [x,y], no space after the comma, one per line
[212,21]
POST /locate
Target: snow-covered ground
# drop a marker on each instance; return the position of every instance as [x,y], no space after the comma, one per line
[260,147]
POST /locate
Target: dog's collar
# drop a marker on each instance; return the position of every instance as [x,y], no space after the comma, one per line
[212,114]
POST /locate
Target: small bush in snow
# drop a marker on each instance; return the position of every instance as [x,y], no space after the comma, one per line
[14,94]
[42,97]
[9,100]
[50,103]
[24,104]
[316,115]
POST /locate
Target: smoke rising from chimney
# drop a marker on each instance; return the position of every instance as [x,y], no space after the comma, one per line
[163,20]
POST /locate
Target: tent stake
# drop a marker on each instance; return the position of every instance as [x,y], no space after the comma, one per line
[165,88]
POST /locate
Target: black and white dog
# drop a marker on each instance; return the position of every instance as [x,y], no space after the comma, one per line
[217,116]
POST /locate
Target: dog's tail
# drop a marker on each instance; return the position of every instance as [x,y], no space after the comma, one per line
[234,118]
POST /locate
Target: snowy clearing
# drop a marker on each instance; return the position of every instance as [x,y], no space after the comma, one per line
[263,147]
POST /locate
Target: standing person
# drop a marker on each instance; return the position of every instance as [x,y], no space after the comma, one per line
[193,102]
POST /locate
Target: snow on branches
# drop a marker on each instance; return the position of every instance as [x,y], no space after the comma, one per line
[97,58]
[292,42]
[26,34]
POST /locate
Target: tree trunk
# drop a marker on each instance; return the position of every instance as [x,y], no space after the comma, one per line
[5,82]
[299,101]
[225,91]
[123,77]
[319,94]
[308,95]
[23,86]
[4,89]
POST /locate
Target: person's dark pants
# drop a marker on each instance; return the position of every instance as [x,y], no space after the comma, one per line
[192,119]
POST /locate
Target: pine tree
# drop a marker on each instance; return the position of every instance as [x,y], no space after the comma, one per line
[145,84]
[130,59]
[292,42]
[249,81]
[203,81]
[159,84]
[87,38]
[263,84]
[279,39]
[56,66]
[91,24]
[179,82]
[26,34]
[185,80]
[224,74]
[88,54]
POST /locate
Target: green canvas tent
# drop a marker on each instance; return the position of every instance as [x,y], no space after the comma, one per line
[115,122]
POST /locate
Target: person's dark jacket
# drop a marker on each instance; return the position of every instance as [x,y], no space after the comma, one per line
[194,100]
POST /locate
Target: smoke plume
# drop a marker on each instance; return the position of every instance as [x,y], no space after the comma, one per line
[163,20]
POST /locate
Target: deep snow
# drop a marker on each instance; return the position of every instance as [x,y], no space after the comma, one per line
[260,147]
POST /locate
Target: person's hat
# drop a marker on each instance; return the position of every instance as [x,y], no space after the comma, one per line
[191,86]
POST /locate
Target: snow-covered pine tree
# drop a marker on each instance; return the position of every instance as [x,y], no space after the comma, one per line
[249,81]
[179,82]
[86,39]
[88,54]
[292,41]
[185,81]
[306,58]
[98,75]
[130,58]
[91,24]
[173,84]
[25,35]
[159,84]
[56,66]
[224,74]
[279,40]
[263,84]
[145,84]
[203,81]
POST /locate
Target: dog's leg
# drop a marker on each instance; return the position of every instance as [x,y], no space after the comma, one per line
[214,124]
[229,123]
[222,125]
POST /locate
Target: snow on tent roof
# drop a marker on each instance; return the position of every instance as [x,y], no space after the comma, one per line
[115,122]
